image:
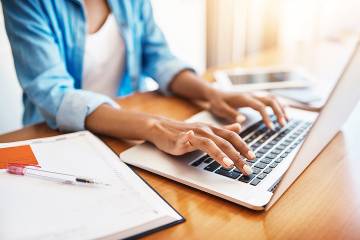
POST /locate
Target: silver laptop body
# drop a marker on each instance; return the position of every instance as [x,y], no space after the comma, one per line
[281,155]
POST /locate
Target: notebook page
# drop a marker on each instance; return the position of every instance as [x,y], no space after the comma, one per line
[37,209]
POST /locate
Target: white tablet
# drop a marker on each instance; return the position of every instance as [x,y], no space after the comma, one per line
[242,79]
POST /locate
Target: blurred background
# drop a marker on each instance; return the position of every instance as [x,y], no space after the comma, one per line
[210,33]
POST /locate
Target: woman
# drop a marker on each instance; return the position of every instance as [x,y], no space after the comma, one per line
[71,56]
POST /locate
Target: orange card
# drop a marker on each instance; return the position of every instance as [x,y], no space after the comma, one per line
[19,155]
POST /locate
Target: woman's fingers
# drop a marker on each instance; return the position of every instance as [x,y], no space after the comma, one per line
[261,108]
[276,107]
[259,104]
[228,147]
[232,153]
[224,146]
[224,110]
[235,127]
[207,145]
[236,141]
[182,144]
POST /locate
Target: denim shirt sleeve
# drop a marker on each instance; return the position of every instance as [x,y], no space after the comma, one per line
[158,61]
[41,69]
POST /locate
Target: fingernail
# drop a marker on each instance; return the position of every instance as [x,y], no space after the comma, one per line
[271,126]
[191,132]
[247,169]
[282,121]
[240,118]
[227,161]
[251,154]
[238,125]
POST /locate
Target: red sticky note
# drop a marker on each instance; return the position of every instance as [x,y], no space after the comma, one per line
[18,155]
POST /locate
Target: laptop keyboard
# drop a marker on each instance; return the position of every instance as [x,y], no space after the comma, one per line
[270,147]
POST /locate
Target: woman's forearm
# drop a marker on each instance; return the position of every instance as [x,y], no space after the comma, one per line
[188,85]
[121,123]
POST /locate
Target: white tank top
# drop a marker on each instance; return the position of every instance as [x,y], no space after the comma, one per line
[104,59]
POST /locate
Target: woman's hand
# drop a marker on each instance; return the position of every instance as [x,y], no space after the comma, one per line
[173,137]
[225,105]
[223,144]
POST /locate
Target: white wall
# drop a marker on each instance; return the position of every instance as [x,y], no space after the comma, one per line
[184,25]
[308,21]
[10,92]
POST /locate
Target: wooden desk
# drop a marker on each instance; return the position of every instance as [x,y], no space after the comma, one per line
[324,203]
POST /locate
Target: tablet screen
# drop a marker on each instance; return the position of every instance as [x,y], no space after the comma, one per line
[254,78]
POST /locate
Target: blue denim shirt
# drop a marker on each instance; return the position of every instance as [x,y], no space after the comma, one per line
[47,39]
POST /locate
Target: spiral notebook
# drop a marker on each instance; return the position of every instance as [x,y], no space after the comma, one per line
[32,208]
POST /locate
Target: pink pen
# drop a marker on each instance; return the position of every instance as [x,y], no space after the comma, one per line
[49,175]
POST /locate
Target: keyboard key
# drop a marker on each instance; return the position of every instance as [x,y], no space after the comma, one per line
[252,138]
[280,148]
[273,165]
[256,134]
[275,151]
[262,130]
[261,176]
[259,155]
[281,135]
[212,166]
[237,170]
[284,155]
[256,170]
[255,145]
[266,160]
[278,128]
[198,162]
[271,156]
[277,139]
[246,179]
[279,160]
[268,170]
[267,147]
[252,128]
[255,182]
[266,137]
[260,165]
[286,131]
[208,160]
[226,173]
[251,162]
[273,142]
[263,150]
[225,169]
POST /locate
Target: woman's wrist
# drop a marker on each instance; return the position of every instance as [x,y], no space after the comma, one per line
[121,123]
[210,93]
[200,89]
[150,128]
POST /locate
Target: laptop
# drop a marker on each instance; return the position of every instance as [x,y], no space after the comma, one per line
[281,155]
